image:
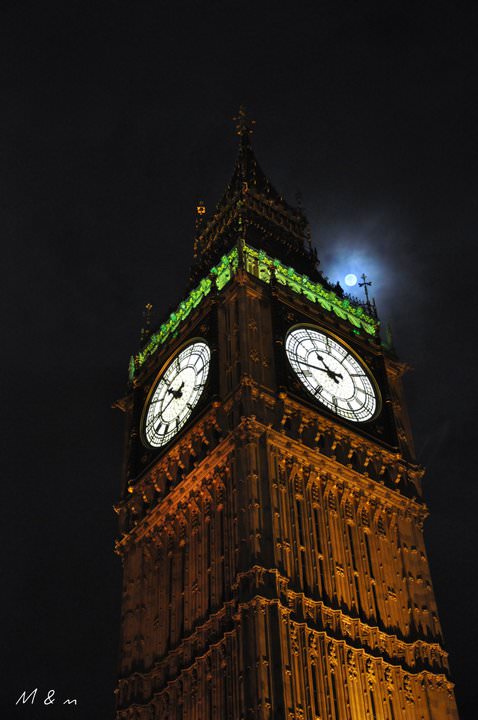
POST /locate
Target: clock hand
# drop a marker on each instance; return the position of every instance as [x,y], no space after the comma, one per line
[331,373]
[176,393]
[167,405]
[179,391]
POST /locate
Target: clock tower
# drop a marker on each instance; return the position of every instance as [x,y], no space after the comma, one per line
[271,515]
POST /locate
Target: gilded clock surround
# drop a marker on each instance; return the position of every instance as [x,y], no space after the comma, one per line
[273,556]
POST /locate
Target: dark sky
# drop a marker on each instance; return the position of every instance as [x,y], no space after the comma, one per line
[115,118]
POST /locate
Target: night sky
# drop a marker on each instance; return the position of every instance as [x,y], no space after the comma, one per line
[115,119]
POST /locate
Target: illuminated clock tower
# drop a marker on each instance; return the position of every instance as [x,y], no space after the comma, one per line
[271,517]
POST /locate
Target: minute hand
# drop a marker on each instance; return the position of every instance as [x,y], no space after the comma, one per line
[330,373]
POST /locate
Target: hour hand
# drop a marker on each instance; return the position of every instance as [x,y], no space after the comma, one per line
[334,375]
[176,393]
[331,373]
[322,361]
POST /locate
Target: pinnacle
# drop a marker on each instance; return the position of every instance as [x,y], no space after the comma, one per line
[244,124]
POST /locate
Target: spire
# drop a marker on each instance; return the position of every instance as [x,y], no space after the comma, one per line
[251,203]
[245,169]
[247,174]
[244,124]
[146,329]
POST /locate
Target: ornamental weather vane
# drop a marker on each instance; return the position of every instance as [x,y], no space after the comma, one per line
[366,284]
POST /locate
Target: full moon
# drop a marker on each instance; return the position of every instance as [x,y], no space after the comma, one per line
[350,279]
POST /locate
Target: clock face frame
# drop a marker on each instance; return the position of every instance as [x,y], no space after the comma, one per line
[176,392]
[332,373]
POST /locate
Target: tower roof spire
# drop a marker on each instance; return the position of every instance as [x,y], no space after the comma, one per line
[251,203]
[244,123]
[247,172]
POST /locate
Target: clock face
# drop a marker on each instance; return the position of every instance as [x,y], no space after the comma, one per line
[330,373]
[176,394]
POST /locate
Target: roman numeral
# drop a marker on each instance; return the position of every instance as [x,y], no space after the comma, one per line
[159,428]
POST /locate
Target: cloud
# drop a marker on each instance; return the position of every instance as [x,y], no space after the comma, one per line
[379,246]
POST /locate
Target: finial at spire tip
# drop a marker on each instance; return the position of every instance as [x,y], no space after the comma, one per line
[244,124]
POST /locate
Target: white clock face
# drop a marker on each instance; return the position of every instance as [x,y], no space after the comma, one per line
[330,372]
[176,394]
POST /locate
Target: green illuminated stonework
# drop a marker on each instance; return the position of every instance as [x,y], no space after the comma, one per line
[260,265]
[265,268]
[218,277]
